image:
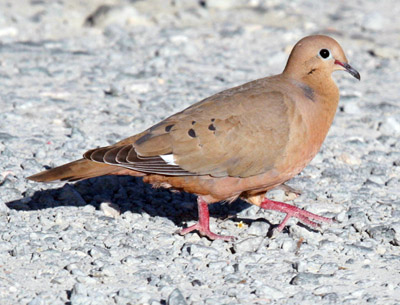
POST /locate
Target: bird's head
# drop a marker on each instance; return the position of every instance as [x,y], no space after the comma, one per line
[317,56]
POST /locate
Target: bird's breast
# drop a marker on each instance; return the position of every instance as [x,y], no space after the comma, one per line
[310,124]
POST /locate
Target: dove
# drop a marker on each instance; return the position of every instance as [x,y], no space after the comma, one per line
[238,143]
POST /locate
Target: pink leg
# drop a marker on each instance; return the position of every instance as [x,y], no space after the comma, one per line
[203,226]
[292,211]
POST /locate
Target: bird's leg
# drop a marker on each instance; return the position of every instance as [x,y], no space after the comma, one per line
[292,211]
[203,226]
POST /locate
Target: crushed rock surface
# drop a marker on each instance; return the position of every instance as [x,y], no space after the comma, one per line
[75,75]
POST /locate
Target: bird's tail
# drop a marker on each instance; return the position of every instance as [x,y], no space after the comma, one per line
[76,170]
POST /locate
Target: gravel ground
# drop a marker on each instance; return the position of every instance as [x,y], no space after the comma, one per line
[80,74]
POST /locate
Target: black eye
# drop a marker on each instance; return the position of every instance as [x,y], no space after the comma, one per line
[324,53]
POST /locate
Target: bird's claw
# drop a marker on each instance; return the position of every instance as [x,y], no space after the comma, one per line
[204,231]
[303,216]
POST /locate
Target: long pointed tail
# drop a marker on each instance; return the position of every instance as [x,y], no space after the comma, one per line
[76,170]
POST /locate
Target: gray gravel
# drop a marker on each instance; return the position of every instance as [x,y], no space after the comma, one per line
[79,74]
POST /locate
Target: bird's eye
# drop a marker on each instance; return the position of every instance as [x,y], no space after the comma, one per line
[324,53]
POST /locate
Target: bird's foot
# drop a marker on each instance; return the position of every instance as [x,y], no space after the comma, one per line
[292,211]
[204,231]
[203,226]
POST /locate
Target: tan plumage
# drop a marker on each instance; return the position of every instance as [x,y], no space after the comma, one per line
[240,142]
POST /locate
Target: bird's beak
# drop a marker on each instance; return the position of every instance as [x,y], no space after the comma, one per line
[348,68]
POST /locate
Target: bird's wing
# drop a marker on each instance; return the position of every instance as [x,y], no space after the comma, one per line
[240,132]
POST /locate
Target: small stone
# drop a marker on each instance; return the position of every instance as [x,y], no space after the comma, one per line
[86,280]
[380,249]
[79,289]
[71,267]
[396,228]
[139,88]
[107,271]
[349,159]
[329,268]
[331,298]
[288,245]
[249,244]
[79,299]
[110,209]
[258,228]
[323,289]
[358,293]
[386,52]
[217,265]
[373,21]
[390,126]
[277,195]
[232,292]
[249,212]
[109,15]
[99,263]
[225,4]
[228,269]
[357,250]
[78,272]
[13,289]
[198,250]
[89,209]
[300,266]
[126,293]
[341,216]
[13,194]
[4,209]
[9,31]
[37,301]
[97,252]
[375,180]
[129,260]
[350,106]
[176,298]
[196,283]
[306,278]
[58,280]
[328,245]
[382,233]
[269,292]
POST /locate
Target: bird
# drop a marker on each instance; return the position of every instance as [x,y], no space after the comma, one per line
[238,143]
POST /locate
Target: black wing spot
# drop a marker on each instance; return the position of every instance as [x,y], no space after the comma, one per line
[192,133]
[211,127]
[143,138]
[168,128]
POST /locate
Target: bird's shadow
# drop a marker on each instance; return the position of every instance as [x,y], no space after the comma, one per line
[129,194]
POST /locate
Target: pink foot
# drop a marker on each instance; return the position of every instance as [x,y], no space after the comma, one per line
[203,226]
[292,211]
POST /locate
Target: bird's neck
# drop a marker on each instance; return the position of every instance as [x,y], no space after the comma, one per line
[324,97]
[326,93]
[320,80]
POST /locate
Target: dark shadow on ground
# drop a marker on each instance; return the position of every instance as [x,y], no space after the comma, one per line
[130,194]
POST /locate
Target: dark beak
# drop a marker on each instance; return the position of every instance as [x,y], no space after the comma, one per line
[349,69]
